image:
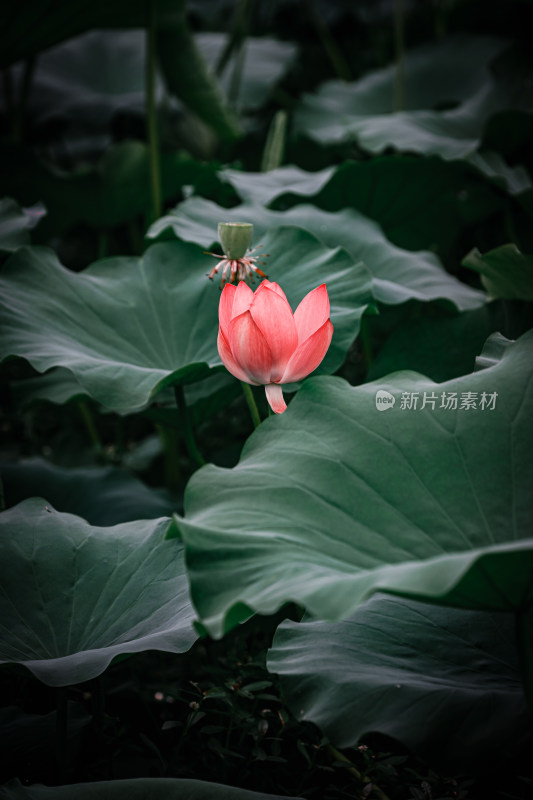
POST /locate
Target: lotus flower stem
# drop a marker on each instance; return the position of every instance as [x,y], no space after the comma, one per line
[248,394]
[190,441]
[151,111]
[524,642]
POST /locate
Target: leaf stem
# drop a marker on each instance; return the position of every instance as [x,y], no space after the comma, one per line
[364,335]
[524,644]
[248,394]
[169,438]
[241,24]
[190,441]
[399,46]
[340,65]
[151,111]
[92,430]
[275,142]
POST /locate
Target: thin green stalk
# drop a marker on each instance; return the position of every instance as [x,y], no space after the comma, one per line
[364,336]
[236,77]
[340,65]
[525,654]
[275,143]
[151,111]
[19,116]
[92,430]
[399,46]
[241,24]
[248,394]
[169,438]
[338,756]
[190,441]
[61,733]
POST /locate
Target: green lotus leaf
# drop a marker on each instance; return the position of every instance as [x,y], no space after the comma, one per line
[128,327]
[101,495]
[265,61]
[348,493]
[516,179]
[433,678]
[16,222]
[134,789]
[32,736]
[35,29]
[420,203]
[493,352]
[505,272]
[398,275]
[447,96]
[444,346]
[56,386]
[75,596]
[264,187]
[87,79]
[113,191]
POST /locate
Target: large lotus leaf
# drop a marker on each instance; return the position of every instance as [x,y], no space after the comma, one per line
[101,495]
[92,76]
[88,79]
[445,682]
[335,499]
[264,187]
[505,272]
[37,27]
[420,203]
[265,61]
[516,179]
[113,191]
[15,223]
[495,347]
[204,397]
[32,736]
[75,596]
[398,275]
[56,386]
[124,327]
[453,72]
[134,789]
[444,346]
[127,327]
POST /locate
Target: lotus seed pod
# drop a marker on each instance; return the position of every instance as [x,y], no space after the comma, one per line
[235,238]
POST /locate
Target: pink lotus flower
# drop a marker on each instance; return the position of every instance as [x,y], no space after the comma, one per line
[260,340]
